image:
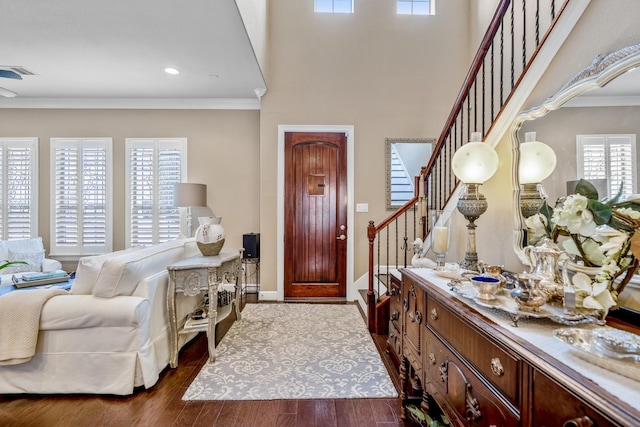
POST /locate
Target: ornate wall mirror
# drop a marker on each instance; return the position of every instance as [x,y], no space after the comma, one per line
[404,158]
[603,99]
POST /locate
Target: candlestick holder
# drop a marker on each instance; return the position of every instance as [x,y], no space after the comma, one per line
[440,235]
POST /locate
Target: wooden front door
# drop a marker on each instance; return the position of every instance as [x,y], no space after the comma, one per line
[315,221]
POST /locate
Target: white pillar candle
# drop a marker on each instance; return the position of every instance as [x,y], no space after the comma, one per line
[440,239]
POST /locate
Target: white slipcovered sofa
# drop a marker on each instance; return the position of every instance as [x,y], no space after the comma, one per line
[110,333]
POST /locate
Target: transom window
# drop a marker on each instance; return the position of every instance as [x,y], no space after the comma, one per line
[610,157]
[81,186]
[18,188]
[154,166]
[333,6]
[416,7]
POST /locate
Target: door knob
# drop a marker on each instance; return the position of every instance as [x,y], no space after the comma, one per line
[341,237]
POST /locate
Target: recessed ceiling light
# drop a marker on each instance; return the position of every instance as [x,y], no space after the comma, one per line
[172,71]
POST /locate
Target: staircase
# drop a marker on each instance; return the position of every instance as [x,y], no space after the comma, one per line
[401,183]
[522,38]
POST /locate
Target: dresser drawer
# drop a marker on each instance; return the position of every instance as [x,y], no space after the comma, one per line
[395,305]
[459,392]
[394,343]
[413,307]
[554,406]
[499,367]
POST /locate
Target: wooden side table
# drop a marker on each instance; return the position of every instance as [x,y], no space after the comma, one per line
[198,275]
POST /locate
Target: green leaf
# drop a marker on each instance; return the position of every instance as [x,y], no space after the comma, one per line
[587,189]
[547,211]
[8,263]
[601,212]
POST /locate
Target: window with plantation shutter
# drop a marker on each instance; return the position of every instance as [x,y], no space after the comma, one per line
[611,157]
[82,209]
[18,188]
[154,166]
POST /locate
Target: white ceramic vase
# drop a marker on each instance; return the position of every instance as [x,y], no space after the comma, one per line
[210,235]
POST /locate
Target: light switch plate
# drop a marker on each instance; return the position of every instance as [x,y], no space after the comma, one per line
[362,207]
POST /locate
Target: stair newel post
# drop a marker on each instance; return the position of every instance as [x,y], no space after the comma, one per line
[371,303]
[422,200]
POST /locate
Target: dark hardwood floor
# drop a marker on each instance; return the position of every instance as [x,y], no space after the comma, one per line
[162,405]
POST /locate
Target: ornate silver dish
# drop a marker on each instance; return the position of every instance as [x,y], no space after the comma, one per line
[507,304]
[584,345]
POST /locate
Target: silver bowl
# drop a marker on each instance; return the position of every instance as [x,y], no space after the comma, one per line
[487,286]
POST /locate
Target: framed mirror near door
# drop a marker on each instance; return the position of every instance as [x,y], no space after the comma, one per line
[404,159]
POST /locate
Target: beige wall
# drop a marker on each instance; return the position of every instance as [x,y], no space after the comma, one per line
[606,26]
[223,149]
[387,75]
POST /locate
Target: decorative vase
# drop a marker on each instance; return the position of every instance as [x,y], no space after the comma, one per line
[210,235]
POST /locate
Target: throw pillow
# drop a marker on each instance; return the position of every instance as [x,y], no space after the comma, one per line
[89,269]
[33,259]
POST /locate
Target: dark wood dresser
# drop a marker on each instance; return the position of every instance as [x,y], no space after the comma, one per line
[481,370]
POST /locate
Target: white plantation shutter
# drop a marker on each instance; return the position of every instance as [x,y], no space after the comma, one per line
[611,157]
[82,208]
[154,166]
[18,188]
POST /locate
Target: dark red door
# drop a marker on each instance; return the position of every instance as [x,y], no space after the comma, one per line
[315,246]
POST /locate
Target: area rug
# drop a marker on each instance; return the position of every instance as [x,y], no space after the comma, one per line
[294,351]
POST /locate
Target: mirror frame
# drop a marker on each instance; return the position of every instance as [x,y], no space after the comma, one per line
[601,71]
[388,142]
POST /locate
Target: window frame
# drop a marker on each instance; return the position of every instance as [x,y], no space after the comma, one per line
[7,143]
[412,4]
[69,253]
[584,140]
[155,143]
[316,9]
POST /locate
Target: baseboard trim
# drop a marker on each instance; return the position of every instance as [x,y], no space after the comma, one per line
[268,296]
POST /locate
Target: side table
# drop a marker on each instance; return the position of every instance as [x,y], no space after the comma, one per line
[198,275]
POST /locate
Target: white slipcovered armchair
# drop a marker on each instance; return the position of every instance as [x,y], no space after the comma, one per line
[30,251]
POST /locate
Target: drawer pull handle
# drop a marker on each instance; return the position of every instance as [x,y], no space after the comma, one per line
[412,317]
[405,304]
[395,315]
[496,367]
[418,316]
[434,314]
[432,358]
[579,422]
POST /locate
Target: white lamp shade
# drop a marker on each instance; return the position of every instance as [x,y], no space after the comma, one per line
[475,162]
[537,162]
[187,194]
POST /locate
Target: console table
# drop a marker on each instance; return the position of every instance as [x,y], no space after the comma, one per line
[199,275]
[483,371]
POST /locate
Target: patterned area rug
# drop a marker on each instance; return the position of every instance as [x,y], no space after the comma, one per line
[294,351]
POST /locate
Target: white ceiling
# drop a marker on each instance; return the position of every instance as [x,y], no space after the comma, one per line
[113,54]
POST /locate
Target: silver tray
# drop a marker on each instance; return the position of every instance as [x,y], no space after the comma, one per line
[586,346]
[505,303]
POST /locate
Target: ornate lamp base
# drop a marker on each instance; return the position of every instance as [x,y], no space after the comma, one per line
[471,205]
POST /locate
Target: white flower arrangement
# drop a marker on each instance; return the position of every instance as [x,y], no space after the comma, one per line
[598,234]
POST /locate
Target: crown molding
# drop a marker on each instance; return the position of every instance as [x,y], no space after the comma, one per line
[134,103]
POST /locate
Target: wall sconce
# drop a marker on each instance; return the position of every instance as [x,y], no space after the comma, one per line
[473,164]
[188,195]
[537,162]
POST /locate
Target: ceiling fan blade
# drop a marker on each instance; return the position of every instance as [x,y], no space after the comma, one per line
[7,93]
[10,74]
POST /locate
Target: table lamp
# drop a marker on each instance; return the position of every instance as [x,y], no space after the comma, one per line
[473,164]
[537,162]
[188,195]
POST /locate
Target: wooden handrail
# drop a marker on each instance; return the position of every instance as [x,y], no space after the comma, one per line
[437,177]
